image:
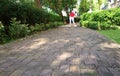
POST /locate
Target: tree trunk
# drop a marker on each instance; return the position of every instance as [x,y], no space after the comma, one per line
[67,15]
[115,1]
[63,18]
[38,4]
[59,10]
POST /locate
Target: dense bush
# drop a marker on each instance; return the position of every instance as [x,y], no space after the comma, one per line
[25,13]
[116,17]
[3,37]
[93,25]
[28,19]
[106,19]
[42,27]
[17,30]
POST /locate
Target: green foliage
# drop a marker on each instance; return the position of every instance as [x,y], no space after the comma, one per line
[24,12]
[84,6]
[116,17]
[100,3]
[91,4]
[43,27]
[58,5]
[107,19]
[93,25]
[53,18]
[90,24]
[85,16]
[18,30]
[84,23]
[105,26]
[3,37]
[36,28]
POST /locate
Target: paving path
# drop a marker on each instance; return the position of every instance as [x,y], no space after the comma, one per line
[63,51]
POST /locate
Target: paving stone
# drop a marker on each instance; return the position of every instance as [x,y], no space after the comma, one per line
[74,74]
[105,74]
[103,70]
[88,72]
[46,72]
[63,51]
[56,74]
[37,56]
[26,60]
[76,61]
[64,69]
[115,72]
[21,58]
[33,64]
[2,61]
[7,64]
[90,61]
[30,73]
[18,72]
[74,70]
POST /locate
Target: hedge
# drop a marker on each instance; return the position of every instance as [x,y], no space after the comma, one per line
[25,13]
[18,30]
[105,19]
[18,20]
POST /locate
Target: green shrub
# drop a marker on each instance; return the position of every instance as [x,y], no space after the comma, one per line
[25,13]
[36,28]
[42,27]
[85,16]
[106,19]
[84,23]
[93,25]
[18,30]
[52,18]
[116,17]
[3,37]
[29,16]
[105,26]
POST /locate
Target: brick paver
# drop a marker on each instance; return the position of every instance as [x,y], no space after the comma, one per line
[63,51]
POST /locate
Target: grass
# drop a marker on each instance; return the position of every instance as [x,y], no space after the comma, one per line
[111,34]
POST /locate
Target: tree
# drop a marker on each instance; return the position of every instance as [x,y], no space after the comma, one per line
[84,6]
[115,1]
[59,5]
[91,3]
[38,4]
[100,3]
[4,16]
